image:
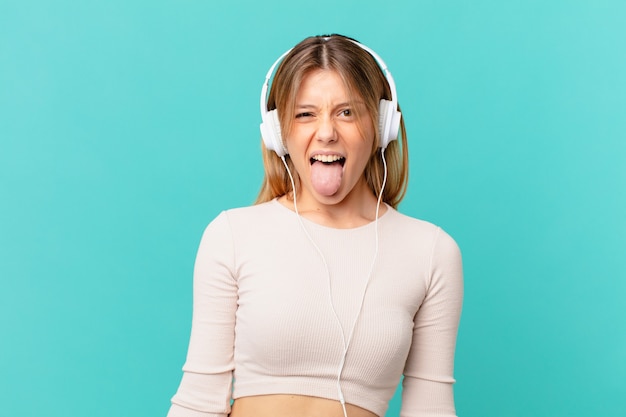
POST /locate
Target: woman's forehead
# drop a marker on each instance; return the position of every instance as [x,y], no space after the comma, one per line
[322,81]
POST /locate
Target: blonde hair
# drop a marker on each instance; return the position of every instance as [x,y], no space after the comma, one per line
[363,78]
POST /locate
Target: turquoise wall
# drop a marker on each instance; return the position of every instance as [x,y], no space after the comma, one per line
[126,126]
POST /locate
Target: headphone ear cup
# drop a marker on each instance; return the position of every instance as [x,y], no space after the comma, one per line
[271,134]
[388,122]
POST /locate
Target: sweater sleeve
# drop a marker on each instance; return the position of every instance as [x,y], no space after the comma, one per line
[205,389]
[428,374]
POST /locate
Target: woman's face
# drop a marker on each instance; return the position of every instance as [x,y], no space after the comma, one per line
[330,141]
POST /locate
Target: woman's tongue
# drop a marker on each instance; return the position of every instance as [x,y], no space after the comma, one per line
[326,177]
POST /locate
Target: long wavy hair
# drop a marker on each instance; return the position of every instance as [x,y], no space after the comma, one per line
[364,79]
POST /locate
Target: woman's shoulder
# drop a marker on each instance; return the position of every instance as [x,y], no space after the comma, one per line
[246,215]
[243,219]
[409,223]
[254,212]
[419,229]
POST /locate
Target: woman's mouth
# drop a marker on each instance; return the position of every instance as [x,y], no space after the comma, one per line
[328,159]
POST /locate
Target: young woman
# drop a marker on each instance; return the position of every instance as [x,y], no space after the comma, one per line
[316,300]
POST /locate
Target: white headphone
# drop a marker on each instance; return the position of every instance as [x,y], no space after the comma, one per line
[388,114]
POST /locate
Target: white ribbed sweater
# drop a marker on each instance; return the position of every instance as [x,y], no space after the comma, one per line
[262,313]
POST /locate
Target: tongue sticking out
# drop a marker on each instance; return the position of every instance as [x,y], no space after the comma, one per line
[326,177]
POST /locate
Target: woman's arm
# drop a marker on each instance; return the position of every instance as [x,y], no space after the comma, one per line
[428,374]
[205,389]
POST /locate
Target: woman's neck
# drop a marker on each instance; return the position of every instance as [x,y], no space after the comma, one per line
[357,209]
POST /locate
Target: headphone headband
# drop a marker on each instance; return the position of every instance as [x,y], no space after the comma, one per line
[388,117]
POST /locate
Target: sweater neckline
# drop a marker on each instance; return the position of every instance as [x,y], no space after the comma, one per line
[323,227]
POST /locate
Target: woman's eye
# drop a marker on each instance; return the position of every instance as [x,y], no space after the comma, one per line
[304,114]
[346,112]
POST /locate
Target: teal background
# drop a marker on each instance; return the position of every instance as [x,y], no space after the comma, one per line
[125,127]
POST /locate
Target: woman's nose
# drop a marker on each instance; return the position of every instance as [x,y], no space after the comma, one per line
[326,130]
